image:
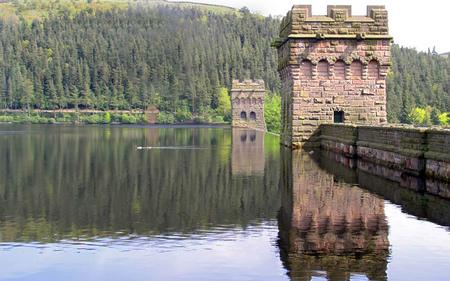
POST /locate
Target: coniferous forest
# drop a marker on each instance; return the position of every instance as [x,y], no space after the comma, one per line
[178,59]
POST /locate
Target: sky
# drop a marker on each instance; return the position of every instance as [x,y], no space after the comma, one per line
[413,23]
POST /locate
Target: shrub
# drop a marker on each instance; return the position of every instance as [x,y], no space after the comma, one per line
[166,118]
[106,118]
[128,119]
[272,113]
[6,119]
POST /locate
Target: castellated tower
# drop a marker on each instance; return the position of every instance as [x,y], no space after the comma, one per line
[333,70]
[247,102]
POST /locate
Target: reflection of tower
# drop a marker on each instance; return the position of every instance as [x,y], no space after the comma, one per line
[329,226]
[248,152]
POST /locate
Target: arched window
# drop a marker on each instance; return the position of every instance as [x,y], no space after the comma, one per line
[243,115]
[322,70]
[305,69]
[356,70]
[373,70]
[253,115]
[339,70]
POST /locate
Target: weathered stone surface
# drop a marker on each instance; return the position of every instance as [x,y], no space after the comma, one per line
[247,102]
[247,153]
[336,63]
[417,151]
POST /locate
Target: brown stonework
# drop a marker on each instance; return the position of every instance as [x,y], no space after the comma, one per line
[333,69]
[415,151]
[152,113]
[247,158]
[324,223]
[247,102]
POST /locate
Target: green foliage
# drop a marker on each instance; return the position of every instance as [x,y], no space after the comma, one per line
[26,118]
[272,113]
[420,116]
[183,114]
[224,105]
[124,61]
[444,119]
[92,119]
[107,118]
[166,118]
[417,80]
[98,118]
[428,116]
[126,118]
[6,119]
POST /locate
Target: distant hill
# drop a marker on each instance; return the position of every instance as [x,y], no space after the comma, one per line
[36,9]
[189,4]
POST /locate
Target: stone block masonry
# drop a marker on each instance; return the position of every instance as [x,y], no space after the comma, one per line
[416,151]
[247,102]
[333,70]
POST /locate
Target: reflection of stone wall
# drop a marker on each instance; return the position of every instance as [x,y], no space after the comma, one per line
[330,225]
[248,152]
[394,185]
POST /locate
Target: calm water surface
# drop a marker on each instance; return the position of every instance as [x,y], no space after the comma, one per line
[199,203]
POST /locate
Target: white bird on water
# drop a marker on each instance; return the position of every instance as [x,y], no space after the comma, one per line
[168,147]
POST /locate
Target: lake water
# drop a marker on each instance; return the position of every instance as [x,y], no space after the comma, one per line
[205,203]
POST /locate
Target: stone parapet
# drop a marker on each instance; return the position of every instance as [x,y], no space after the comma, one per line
[249,85]
[338,23]
[417,151]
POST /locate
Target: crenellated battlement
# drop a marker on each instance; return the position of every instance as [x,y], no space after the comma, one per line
[339,23]
[248,85]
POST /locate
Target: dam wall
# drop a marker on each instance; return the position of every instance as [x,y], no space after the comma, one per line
[415,151]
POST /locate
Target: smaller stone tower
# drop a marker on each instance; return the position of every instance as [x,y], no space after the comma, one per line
[247,102]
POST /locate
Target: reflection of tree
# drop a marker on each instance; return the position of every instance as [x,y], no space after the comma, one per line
[57,182]
[327,225]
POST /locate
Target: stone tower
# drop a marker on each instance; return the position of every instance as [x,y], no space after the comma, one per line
[333,70]
[247,102]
